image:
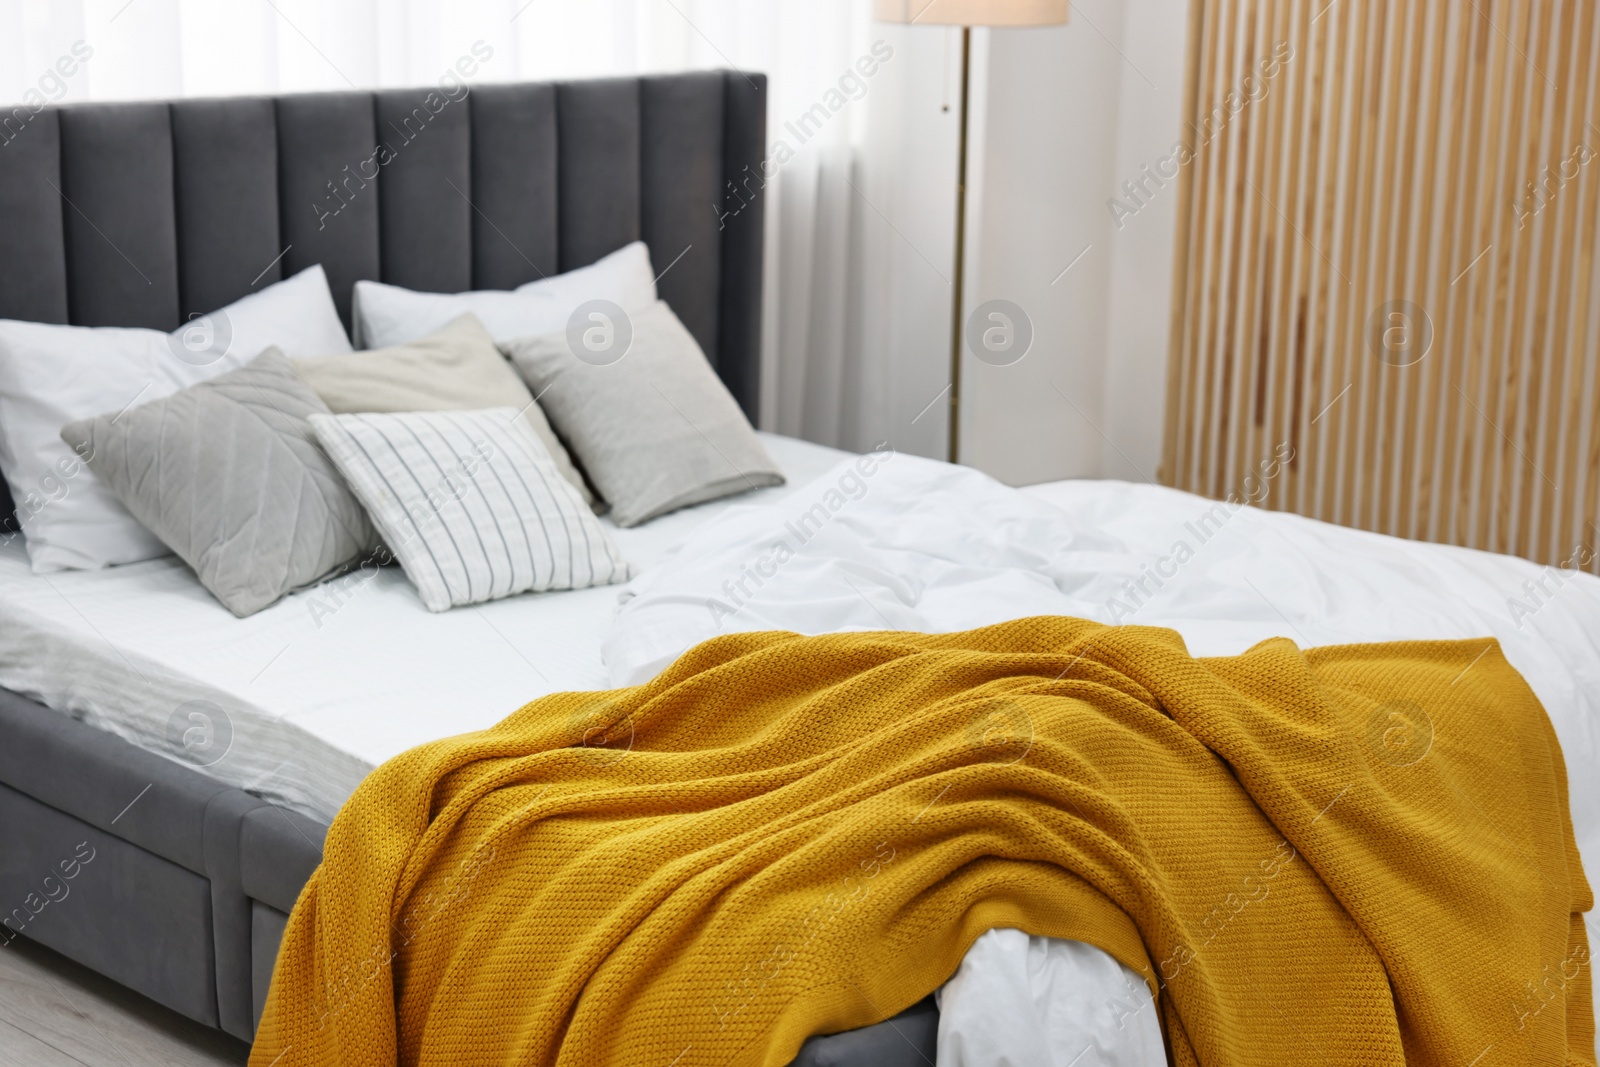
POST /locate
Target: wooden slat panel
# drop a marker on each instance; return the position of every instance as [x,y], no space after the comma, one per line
[1435,153]
[1475,226]
[1263,249]
[1278,262]
[1191,214]
[1327,178]
[1427,402]
[1397,275]
[1378,239]
[1233,151]
[1507,381]
[1342,430]
[1201,205]
[1218,148]
[1572,520]
[1535,481]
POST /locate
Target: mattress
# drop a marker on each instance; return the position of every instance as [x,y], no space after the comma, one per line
[298,702]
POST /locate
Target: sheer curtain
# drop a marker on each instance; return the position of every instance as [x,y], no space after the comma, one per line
[839,370]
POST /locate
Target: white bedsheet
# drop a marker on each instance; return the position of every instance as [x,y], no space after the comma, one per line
[1024,1001]
[913,544]
[320,688]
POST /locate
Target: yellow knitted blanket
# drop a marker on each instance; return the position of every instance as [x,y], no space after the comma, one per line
[1349,855]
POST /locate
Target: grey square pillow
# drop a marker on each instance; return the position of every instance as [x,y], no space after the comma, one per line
[455,368]
[652,424]
[229,474]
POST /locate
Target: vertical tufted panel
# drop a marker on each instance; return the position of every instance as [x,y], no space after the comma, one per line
[743,206]
[680,162]
[514,185]
[225,167]
[121,237]
[598,131]
[425,219]
[328,162]
[33,262]
[184,207]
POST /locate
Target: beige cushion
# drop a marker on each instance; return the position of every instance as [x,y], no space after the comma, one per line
[651,422]
[455,368]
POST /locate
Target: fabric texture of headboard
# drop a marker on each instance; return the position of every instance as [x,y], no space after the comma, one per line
[146,214]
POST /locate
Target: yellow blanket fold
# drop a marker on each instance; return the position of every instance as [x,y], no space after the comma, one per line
[1348,855]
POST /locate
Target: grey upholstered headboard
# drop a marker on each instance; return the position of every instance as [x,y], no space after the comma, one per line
[145,214]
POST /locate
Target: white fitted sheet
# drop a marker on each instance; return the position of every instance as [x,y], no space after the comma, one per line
[325,685]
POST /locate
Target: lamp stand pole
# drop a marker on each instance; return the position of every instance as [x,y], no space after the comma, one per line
[957,296]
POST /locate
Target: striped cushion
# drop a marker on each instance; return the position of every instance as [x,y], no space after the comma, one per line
[470,503]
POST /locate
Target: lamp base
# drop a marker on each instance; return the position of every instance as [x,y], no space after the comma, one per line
[958,288]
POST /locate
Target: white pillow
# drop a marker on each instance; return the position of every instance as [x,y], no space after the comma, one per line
[387,315]
[470,503]
[52,375]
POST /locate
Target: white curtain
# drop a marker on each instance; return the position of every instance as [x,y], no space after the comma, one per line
[837,369]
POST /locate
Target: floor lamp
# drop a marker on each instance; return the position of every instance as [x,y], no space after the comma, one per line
[966,14]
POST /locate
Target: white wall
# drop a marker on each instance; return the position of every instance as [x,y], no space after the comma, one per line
[1049,128]
[1139,316]
[1067,114]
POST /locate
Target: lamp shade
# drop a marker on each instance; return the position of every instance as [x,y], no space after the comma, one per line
[972,12]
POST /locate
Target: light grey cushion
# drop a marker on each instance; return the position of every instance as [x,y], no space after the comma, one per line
[228,473]
[455,368]
[640,406]
[470,504]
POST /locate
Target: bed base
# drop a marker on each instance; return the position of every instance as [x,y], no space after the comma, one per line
[125,861]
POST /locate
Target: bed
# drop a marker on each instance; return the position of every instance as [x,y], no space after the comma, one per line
[190,856]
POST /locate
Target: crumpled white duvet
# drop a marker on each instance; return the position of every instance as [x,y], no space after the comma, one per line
[889,541]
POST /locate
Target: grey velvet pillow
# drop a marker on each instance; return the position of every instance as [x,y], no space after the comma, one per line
[229,474]
[455,368]
[640,406]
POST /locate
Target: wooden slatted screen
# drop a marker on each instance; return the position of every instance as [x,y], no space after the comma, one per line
[1385,268]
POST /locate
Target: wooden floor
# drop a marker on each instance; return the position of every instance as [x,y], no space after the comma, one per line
[54,1013]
